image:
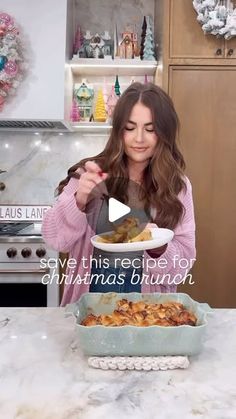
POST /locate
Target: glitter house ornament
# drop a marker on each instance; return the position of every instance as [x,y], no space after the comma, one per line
[84,94]
[217,17]
[128,47]
[96,46]
[11,58]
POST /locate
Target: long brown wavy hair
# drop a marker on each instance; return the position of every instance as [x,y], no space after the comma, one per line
[163,178]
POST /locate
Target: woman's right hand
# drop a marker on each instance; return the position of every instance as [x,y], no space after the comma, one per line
[91,178]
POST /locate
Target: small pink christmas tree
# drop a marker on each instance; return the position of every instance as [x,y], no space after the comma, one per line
[78,42]
[145,79]
[75,113]
[111,101]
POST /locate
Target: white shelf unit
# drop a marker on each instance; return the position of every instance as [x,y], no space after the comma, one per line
[96,70]
[98,18]
[102,67]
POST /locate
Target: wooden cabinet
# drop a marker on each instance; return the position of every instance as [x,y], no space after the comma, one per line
[202,84]
[187,39]
[204,97]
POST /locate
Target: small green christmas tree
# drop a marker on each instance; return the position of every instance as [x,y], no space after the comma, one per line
[148,50]
[143,35]
[100,111]
[117,86]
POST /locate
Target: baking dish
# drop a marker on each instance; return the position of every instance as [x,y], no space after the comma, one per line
[133,340]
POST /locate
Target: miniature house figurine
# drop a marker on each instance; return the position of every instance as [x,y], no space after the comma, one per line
[128,47]
[108,44]
[96,46]
[84,94]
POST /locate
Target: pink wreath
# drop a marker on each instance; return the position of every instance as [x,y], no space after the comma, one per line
[11,58]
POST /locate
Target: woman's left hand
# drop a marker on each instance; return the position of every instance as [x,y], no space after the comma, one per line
[157,251]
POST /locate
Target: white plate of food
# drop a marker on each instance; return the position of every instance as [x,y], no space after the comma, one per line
[130,237]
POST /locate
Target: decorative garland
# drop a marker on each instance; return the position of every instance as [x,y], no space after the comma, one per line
[217,17]
[11,58]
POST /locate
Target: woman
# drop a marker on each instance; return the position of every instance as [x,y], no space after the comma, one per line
[141,148]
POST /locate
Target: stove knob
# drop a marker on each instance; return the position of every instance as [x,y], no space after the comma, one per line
[11,252]
[26,252]
[41,252]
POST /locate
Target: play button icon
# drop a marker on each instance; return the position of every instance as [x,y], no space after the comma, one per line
[116,209]
[113,209]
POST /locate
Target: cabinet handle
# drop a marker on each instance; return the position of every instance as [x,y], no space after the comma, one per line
[230,52]
[219,51]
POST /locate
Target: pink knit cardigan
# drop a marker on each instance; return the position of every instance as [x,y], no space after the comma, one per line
[65,228]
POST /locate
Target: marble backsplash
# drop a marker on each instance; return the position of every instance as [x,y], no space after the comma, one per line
[35,164]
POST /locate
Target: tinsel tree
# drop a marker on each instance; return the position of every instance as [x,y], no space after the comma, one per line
[143,35]
[74,113]
[78,42]
[117,86]
[100,111]
[148,50]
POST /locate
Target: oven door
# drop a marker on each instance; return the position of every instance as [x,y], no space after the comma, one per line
[21,285]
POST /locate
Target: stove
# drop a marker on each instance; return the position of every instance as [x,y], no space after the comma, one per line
[20,229]
[25,270]
[21,243]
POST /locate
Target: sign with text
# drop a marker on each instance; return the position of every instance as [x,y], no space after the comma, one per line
[22,212]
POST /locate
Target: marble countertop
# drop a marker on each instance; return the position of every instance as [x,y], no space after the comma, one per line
[44,375]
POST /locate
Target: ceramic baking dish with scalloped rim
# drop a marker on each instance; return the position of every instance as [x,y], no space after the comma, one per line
[133,340]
